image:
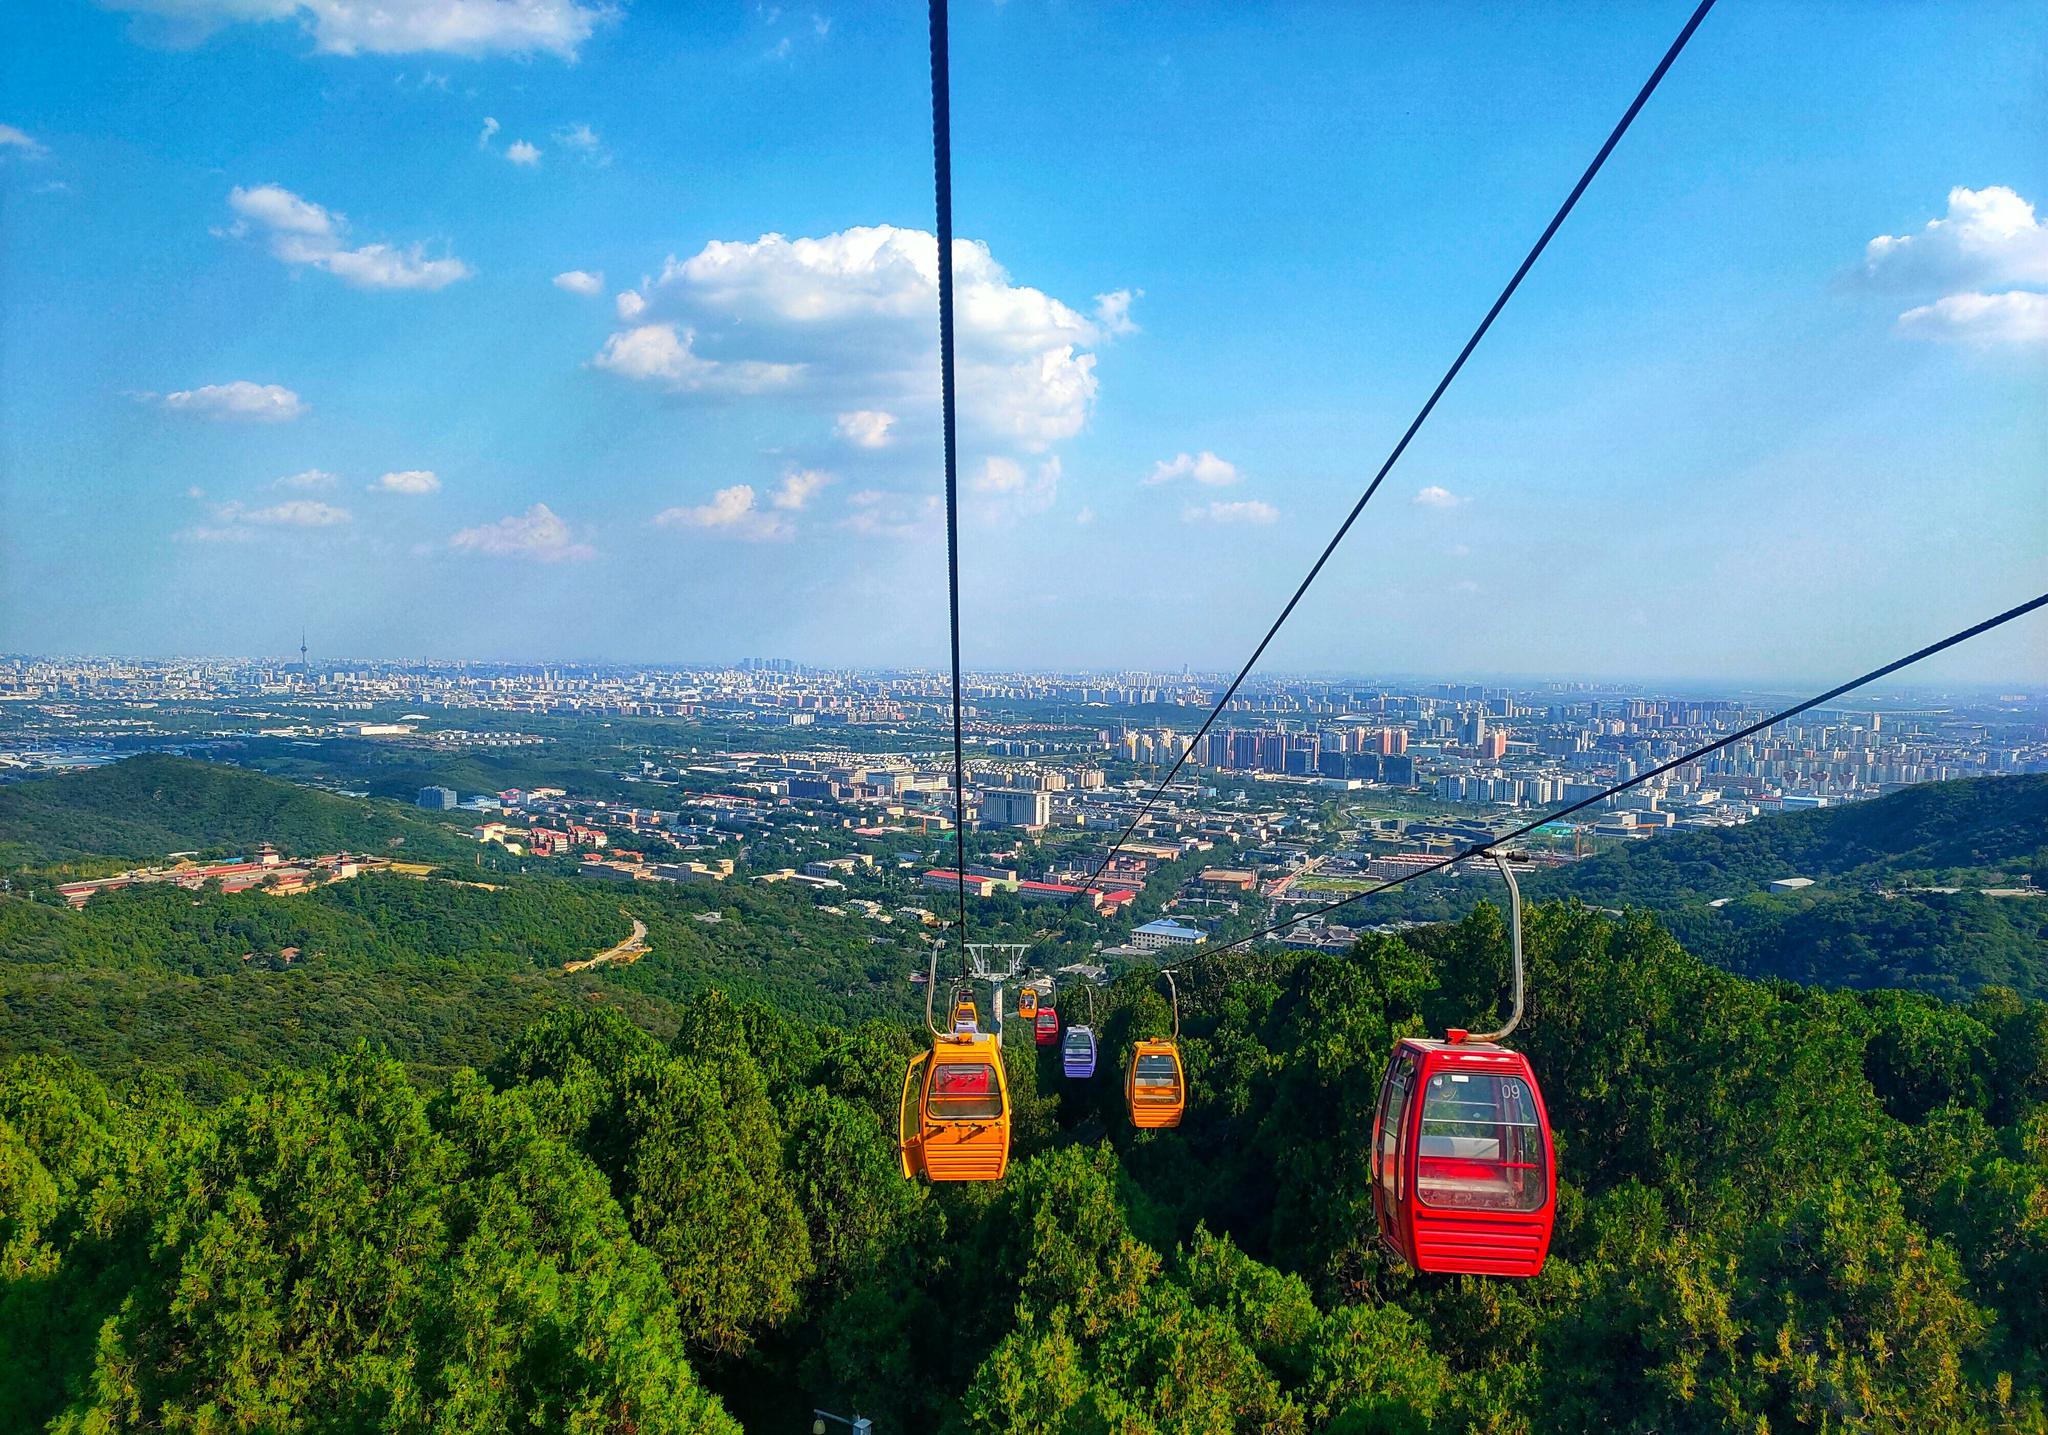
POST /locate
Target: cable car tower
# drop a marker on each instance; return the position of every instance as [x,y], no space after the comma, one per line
[996,963]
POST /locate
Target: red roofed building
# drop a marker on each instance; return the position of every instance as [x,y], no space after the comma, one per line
[945,880]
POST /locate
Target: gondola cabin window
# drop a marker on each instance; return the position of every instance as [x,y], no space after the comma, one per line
[964,1091]
[1480,1146]
[1157,1079]
[1386,1157]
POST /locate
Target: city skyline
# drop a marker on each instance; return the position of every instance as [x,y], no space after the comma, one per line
[287,662]
[450,341]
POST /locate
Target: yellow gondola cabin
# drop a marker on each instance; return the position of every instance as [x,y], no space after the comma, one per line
[1155,1083]
[1155,1086]
[954,1118]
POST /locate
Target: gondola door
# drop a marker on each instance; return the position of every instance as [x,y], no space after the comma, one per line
[1389,1146]
[910,1117]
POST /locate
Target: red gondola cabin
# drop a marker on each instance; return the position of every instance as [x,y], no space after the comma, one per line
[1464,1182]
[1045,1027]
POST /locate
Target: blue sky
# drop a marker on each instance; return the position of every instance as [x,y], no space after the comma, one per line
[454,328]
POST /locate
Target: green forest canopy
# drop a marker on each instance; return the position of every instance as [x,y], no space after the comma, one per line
[1780,1209]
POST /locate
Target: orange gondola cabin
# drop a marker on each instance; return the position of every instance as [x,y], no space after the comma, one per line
[1464,1181]
[954,1119]
[1027,1003]
[1155,1085]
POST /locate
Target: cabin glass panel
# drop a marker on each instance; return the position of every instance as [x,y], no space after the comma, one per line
[964,1091]
[1157,1077]
[1480,1147]
[1386,1157]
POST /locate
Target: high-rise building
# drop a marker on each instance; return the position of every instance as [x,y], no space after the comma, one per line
[1015,807]
[1393,741]
[1495,745]
[438,799]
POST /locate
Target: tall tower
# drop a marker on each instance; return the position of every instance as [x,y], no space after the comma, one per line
[302,650]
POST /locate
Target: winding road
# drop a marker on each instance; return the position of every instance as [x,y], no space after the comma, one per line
[628,951]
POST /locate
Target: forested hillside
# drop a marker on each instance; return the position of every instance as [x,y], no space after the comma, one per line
[1870,919]
[212,989]
[1781,1210]
[150,804]
[1934,834]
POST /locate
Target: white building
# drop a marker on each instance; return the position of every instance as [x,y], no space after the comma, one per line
[1154,936]
[1015,807]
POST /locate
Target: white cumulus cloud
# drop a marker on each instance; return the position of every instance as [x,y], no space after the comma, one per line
[1988,239]
[1249,510]
[731,512]
[1984,265]
[853,312]
[1436,496]
[302,233]
[470,28]
[521,152]
[665,354]
[2018,317]
[865,428]
[410,481]
[1204,468]
[240,400]
[539,534]
[630,305]
[580,281]
[799,486]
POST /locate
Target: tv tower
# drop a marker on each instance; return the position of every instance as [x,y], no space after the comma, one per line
[302,651]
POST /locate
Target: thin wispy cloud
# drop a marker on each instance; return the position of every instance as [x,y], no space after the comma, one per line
[21,143]
[411,482]
[239,523]
[470,28]
[306,235]
[1244,511]
[240,401]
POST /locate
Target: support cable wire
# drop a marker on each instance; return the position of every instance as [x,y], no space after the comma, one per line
[1556,221]
[942,168]
[1486,849]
